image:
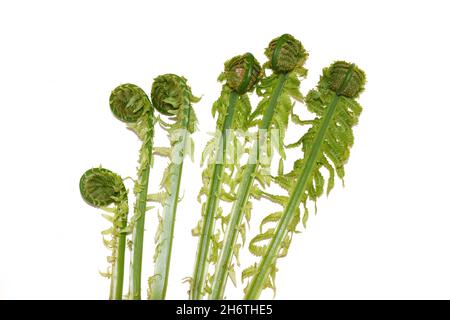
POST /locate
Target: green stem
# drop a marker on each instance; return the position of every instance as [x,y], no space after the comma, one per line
[271,255]
[158,287]
[237,212]
[140,209]
[207,231]
[162,265]
[116,290]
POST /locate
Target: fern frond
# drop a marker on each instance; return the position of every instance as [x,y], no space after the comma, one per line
[131,105]
[232,109]
[172,96]
[326,148]
[104,189]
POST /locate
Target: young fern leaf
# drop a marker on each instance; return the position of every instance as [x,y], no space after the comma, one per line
[131,105]
[173,97]
[102,188]
[286,58]
[233,109]
[326,147]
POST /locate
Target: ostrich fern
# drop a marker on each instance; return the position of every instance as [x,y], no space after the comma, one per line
[172,97]
[131,105]
[233,110]
[324,149]
[325,146]
[102,188]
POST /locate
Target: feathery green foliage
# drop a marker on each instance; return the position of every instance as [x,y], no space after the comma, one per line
[326,148]
[173,97]
[102,188]
[233,110]
[130,104]
[286,57]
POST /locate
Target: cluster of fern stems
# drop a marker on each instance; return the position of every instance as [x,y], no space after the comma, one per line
[238,169]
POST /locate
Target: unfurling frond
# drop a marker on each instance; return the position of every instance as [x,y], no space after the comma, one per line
[285,54]
[286,57]
[223,153]
[241,73]
[102,188]
[326,149]
[128,102]
[172,96]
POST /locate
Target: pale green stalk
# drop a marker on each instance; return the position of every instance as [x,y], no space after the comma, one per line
[117,275]
[163,87]
[140,210]
[201,261]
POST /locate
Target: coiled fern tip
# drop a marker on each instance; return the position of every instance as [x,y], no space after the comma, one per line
[101,187]
[285,54]
[242,73]
[333,77]
[167,91]
[128,102]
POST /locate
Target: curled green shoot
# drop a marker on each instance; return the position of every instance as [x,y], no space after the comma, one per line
[102,188]
[172,96]
[326,146]
[130,104]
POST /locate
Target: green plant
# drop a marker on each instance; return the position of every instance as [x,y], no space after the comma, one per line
[130,104]
[232,109]
[286,58]
[173,97]
[241,135]
[102,188]
[326,147]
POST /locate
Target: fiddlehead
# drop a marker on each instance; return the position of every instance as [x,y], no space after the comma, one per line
[334,76]
[285,54]
[232,109]
[286,57]
[326,148]
[173,97]
[101,188]
[241,73]
[131,105]
[128,102]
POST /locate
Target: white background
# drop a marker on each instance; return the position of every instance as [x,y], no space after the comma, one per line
[385,235]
